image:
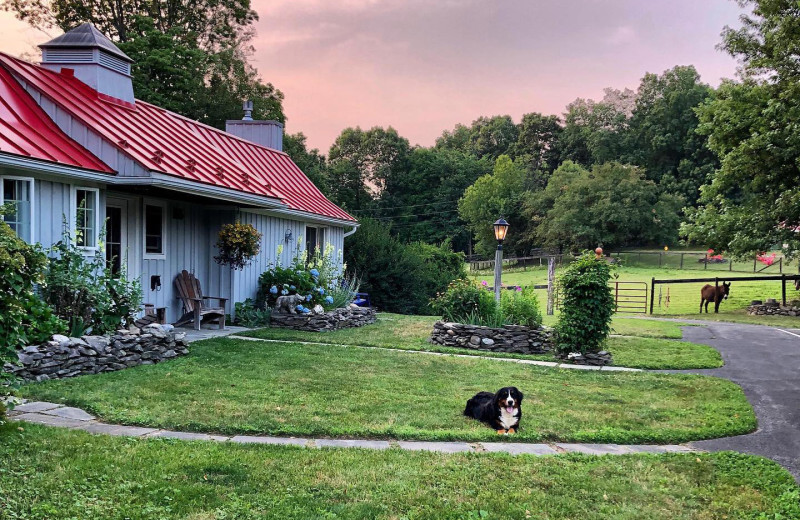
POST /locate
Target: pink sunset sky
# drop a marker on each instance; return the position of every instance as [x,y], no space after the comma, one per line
[422,66]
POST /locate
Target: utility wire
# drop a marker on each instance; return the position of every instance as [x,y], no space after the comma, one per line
[417,215]
[410,206]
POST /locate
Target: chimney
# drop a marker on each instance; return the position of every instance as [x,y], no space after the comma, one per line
[94,59]
[265,133]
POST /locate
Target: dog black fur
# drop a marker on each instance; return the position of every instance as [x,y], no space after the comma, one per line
[492,409]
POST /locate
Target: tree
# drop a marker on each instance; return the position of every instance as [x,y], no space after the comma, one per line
[421,199]
[611,205]
[594,130]
[487,137]
[362,162]
[537,141]
[753,201]
[662,134]
[310,162]
[190,57]
[493,195]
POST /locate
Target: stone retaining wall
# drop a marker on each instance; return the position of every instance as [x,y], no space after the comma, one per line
[773,309]
[344,318]
[515,339]
[68,357]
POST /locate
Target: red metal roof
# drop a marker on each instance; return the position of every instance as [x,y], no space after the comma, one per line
[25,129]
[165,142]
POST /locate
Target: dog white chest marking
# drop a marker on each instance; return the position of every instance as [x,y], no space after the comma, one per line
[508,420]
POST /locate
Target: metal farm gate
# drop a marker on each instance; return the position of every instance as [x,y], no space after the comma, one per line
[629,297]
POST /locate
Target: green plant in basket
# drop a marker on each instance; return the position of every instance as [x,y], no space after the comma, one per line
[237,244]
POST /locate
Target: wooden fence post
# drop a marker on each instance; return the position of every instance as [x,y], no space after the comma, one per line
[783,289]
[682,260]
[551,277]
[652,293]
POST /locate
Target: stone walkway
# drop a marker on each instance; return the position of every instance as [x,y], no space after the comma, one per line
[51,414]
[467,356]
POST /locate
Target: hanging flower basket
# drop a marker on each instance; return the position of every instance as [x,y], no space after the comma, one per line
[237,243]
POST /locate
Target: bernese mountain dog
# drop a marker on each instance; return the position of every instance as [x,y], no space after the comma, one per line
[502,411]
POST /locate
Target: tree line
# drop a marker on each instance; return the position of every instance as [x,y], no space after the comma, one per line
[673,159]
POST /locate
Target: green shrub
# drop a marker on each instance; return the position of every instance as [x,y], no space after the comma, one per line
[249,315]
[83,291]
[399,277]
[313,278]
[521,307]
[587,305]
[465,302]
[24,318]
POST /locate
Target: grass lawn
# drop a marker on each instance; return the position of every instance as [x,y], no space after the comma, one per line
[412,333]
[684,299]
[239,386]
[49,473]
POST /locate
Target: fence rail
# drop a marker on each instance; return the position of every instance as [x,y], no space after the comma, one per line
[783,278]
[684,260]
[523,262]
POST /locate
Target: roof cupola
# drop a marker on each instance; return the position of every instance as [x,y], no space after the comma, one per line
[94,59]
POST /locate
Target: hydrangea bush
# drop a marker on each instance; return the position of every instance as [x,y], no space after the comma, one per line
[317,279]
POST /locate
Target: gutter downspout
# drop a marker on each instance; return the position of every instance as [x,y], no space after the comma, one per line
[355,227]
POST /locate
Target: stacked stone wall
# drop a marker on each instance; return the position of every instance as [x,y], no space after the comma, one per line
[513,339]
[63,357]
[344,318]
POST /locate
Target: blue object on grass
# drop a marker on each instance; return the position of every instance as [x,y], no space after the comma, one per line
[362,300]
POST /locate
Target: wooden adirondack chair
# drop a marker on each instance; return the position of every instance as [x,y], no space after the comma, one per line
[195,309]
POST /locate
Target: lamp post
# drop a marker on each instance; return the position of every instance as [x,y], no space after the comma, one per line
[500,230]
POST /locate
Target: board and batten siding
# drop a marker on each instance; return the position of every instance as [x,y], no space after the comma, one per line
[273,231]
[52,205]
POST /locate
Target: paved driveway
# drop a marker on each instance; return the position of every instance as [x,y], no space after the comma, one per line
[765,361]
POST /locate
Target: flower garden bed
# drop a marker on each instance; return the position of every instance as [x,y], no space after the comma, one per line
[514,339]
[343,318]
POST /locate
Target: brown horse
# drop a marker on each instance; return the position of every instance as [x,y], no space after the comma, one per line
[709,294]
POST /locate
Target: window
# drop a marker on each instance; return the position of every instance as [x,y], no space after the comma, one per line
[17,193]
[86,204]
[315,240]
[154,224]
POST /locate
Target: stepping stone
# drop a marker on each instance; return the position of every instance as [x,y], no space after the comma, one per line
[70,413]
[654,448]
[117,430]
[36,406]
[249,439]
[596,449]
[518,448]
[187,436]
[350,443]
[441,447]
[537,363]
[49,420]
